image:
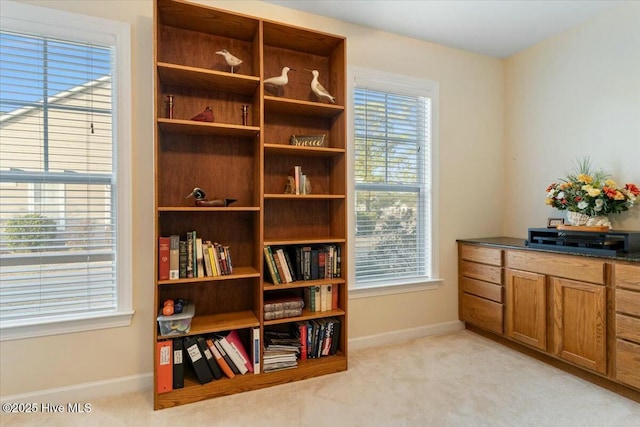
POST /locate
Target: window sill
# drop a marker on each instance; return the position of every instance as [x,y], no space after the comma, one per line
[68,325]
[381,290]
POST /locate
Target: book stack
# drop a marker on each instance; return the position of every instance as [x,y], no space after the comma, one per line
[192,257]
[291,263]
[281,351]
[280,305]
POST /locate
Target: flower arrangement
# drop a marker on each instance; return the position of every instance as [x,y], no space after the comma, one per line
[591,193]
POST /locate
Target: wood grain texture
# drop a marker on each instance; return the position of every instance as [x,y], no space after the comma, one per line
[628,302]
[579,323]
[627,276]
[482,255]
[526,308]
[574,267]
[483,272]
[628,363]
[628,328]
[483,313]
[482,289]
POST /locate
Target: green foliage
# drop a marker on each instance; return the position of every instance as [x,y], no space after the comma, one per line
[28,232]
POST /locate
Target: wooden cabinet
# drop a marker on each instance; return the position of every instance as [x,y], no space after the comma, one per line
[481,294]
[526,308]
[579,323]
[574,311]
[246,159]
[627,319]
[557,303]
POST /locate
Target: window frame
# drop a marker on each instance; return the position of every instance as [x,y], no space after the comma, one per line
[39,20]
[404,85]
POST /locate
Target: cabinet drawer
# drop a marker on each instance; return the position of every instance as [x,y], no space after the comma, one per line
[628,363]
[574,267]
[628,328]
[483,255]
[482,289]
[481,312]
[628,302]
[484,272]
[628,276]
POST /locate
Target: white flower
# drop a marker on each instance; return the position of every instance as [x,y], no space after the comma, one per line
[560,195]
[582,204]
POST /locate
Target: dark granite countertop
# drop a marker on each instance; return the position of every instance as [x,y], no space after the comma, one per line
[515,243]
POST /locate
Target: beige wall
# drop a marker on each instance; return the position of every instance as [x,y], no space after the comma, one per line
[572,96]
[471,177]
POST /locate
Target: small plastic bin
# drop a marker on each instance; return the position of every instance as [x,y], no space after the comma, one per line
[177,324]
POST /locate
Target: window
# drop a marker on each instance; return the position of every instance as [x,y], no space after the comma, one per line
[393,124]
[64,173]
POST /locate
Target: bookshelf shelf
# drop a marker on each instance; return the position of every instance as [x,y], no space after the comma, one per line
[247,159]
[188,127]
[306,315]
[303,241]
[197,209]
[238,273]
[302,284]
[304,196]
[293,150]
[182,75]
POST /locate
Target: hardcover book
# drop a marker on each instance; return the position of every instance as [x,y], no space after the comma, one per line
[163,258]
[174,255]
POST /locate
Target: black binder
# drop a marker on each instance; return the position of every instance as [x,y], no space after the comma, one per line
[197,360]
[211,361]
[178,364]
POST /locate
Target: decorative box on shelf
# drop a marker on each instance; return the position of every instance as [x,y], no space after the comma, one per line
[592,242]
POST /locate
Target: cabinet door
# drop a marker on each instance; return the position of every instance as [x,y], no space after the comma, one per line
[526,308]
[579,323]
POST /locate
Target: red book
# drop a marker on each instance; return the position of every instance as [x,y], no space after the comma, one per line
[334,298]
[302,329]
[164,366]
[164,253]
[234,339]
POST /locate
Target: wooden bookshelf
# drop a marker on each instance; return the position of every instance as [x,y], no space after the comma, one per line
[247,161]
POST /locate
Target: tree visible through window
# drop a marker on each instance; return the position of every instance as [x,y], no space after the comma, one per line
[392,186]
[58,179]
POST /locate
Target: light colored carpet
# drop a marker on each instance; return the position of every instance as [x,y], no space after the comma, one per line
[459,379]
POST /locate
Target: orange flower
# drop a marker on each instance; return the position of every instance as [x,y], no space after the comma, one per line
[633,189]
[610,192]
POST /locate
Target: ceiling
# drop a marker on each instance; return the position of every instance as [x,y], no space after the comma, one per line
[497,28]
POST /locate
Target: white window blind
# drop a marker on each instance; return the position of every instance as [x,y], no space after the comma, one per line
[392,186]
[58,180]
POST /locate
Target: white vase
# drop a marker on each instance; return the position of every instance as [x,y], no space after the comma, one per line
[577,218]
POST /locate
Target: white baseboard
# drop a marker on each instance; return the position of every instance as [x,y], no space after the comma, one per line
[86,392]
[404,335]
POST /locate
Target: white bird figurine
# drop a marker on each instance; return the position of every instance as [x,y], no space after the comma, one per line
[233,61]
[318,89]
[281,80]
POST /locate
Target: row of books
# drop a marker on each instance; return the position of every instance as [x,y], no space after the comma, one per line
[192,257]
[318,337]
[290,263]
[209,357]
